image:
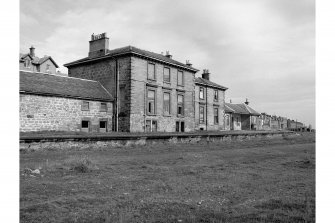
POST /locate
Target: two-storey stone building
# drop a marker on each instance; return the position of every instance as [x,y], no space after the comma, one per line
[209,104]
[152,91]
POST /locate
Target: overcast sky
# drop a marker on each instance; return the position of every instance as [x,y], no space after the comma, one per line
[263,50]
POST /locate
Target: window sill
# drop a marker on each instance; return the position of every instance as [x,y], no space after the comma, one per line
[103,110]
[151,114]
[167,115]
[167,82]
[85,109]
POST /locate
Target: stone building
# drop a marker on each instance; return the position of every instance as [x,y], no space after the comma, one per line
[57,103]
[243,117]
[152,91]
[30,62]
[209,104]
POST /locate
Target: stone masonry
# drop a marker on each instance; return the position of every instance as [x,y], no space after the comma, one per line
[40,113]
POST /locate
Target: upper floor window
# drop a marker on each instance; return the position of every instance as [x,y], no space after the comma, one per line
[151,71]
[216,95]
[85,106]
[103,106]
[180,105]
[201,93]
[166,103]
[166,74]
[201,114]
[216,115]
[151,99]
[180,77]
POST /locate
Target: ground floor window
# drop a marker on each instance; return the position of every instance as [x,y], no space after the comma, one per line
[103,126]
[85,126]
[151,126]
[180,126]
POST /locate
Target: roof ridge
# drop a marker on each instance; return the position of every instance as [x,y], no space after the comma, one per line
[28,71]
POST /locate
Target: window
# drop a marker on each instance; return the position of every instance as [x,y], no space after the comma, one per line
[180,126]
[166,75]
[151,126]
[201,93]
[201,114]
[27,63]
[151,71]
[85,126]
[48,68]
[85,106]
[103,126]
[180,106]
[216,115]
[180,76]
[166,103]
[151,97]
[103,107]
[228,118]
[216,95]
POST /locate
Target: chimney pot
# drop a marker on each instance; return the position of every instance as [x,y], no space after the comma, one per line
[98,45]
[246,101]
[188,63]
[168,55]
[32,51]
[205,74]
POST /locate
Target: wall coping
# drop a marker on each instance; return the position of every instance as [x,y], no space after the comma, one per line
[136,136]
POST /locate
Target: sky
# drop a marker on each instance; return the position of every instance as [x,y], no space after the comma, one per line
[263,50]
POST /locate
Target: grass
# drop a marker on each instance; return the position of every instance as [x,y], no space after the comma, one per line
[259,180]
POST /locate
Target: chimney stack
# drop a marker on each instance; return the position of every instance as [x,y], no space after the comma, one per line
[188,63]
[205,74]
[246,101]
[168,55]
[98,45]
[32,51]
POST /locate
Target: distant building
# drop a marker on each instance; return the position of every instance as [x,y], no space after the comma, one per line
[30,62]
[243,117]
[209,104]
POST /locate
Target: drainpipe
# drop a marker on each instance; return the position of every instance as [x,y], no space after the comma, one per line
[117,96]
[206,110]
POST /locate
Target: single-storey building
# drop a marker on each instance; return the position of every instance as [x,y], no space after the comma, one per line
[51,102]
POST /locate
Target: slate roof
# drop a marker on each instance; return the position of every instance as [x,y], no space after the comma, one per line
[136,51]
[202,81]
[242,109]
[62,86]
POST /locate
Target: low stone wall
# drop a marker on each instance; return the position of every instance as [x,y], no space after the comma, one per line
[105,141]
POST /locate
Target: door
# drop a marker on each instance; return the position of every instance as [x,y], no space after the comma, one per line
[232,124]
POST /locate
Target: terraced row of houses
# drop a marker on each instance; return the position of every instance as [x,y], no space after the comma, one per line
[126,89]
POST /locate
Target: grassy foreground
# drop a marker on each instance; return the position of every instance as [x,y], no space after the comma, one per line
[259,180]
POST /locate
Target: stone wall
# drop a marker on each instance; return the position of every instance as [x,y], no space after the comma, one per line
[46,113]
[139,86]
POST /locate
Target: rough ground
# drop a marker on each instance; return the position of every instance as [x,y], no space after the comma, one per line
[259,180]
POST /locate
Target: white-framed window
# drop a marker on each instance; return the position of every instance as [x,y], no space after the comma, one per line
[201,93]
[103,107]
[180,104]
[85,106]
[180,126]
[166,103]
[151,102]
[166,74]
[48,68]
[180,77]
[151,126]
[151,71]
[27,63]
[201,114]
[216,95]
[216,115]
[103,126]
